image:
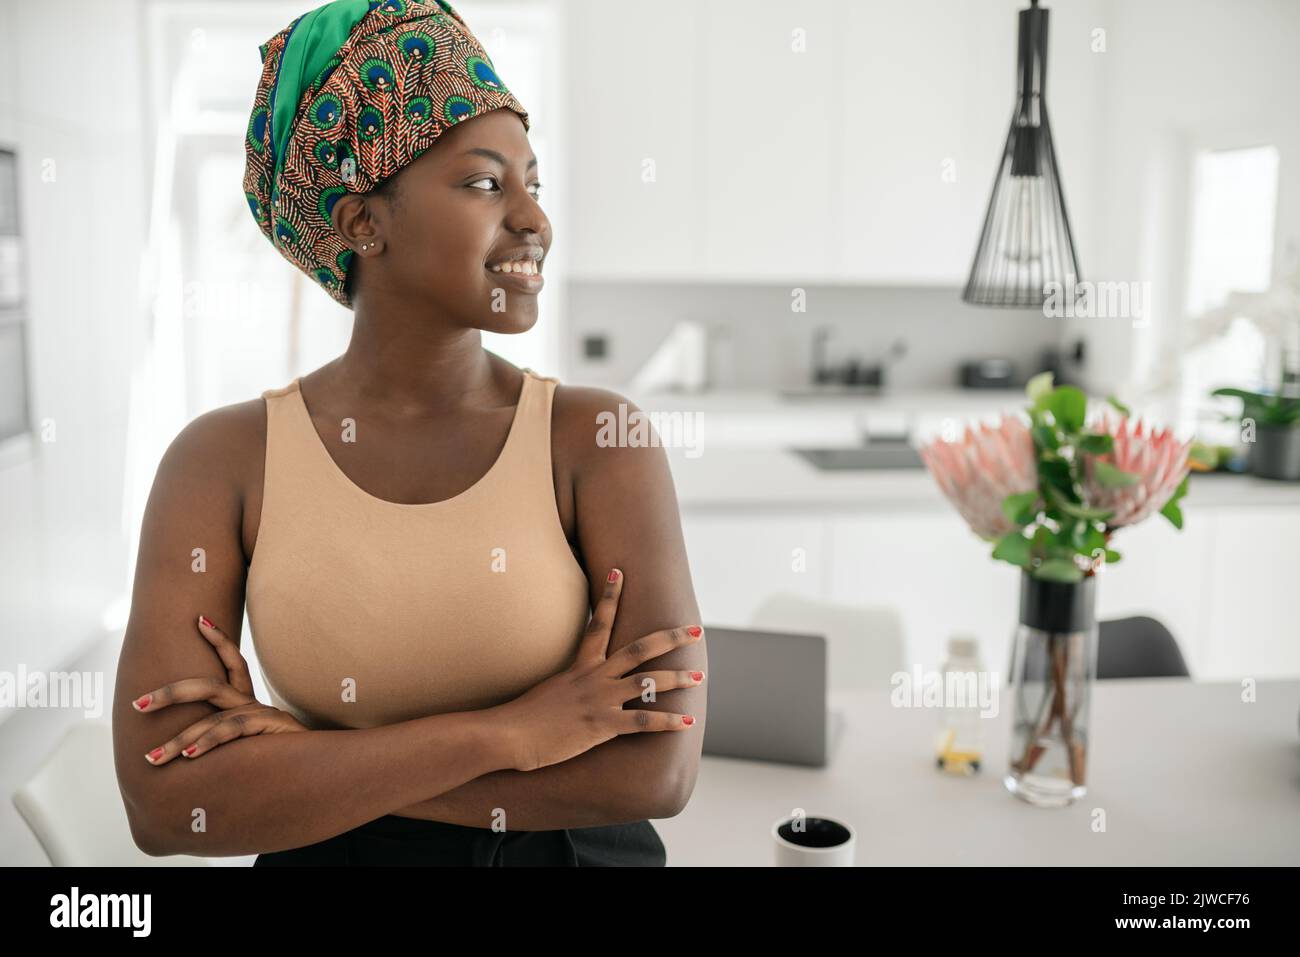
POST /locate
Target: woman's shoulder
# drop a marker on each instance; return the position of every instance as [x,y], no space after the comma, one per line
[590,422]
[228,443]
[583,407]
[227,428]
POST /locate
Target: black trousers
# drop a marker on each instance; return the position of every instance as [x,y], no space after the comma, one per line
[392,840]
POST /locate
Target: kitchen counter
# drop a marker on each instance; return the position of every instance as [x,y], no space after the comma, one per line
[749,478]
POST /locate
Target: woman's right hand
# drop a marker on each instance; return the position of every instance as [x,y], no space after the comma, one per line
[582,706]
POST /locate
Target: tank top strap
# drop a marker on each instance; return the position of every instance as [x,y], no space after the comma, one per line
[534,426]
[291,465]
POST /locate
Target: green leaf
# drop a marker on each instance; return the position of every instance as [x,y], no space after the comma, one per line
[1112,556]
[1171,510]
[1118,406]
[1069,407]
[1039,388]
[1058,570]
[1019,507]
[1055,474]
[1110,477]
[1014,548]
[1093,539]
[1096,443]
[1075,510]
[1256,398]
[1045,436]
[1068,505]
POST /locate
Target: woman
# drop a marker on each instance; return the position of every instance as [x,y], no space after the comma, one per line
[419,527]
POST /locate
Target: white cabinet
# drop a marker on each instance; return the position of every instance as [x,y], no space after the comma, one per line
[770,105]
[1169,574]
[1255,614]
[1227,586]
[636,153]
[739,560]
[921,129]
[825,141]
[935,572]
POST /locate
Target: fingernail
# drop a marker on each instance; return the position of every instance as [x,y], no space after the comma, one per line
[694,631]
[154,755]
[203,620]
[697,675]
[687,719]
[613,574]
[188,752]
[142,703]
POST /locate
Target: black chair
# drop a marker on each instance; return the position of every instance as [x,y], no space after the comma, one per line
[1135,647]
[1138,647]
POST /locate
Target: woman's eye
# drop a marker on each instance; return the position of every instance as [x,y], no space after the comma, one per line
[534,188]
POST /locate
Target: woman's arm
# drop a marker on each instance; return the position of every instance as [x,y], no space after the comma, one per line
[627,518]
[269,792]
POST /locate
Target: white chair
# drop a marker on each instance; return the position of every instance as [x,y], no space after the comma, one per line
[74,807]
[865,646]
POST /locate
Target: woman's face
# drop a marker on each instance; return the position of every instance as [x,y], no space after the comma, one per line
[465,206]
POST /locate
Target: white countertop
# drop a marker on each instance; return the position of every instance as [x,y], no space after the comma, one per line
[731,478]
[1185,773]
[735,455]
[771,400]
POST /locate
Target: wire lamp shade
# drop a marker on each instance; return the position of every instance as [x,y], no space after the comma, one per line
[1026,242]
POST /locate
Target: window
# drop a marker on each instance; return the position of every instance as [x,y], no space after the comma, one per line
[1233,211]
[13,352]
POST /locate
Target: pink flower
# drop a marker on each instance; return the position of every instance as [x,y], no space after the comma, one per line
[1157,459]
[983,467]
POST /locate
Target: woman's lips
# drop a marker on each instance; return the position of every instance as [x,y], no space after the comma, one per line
[517,280]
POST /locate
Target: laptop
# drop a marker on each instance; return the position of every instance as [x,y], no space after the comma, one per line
[767,697]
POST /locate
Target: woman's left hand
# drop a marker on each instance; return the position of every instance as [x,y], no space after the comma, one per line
[241,714]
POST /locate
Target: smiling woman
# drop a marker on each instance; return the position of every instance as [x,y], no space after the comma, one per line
[443,243]
[432,546]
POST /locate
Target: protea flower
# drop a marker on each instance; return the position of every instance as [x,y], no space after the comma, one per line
[1156,461]
[980,469]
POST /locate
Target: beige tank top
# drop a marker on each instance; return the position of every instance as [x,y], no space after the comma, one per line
[366,612]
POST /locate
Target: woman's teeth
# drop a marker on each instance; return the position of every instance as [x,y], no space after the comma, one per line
[525,266]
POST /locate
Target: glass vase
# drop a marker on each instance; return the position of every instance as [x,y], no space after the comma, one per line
[1053,666]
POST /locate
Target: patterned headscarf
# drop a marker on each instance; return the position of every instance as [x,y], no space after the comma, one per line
[350,93]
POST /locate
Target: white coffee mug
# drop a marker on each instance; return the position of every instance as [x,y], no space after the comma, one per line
[808,841]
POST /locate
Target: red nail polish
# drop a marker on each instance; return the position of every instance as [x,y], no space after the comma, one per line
[155,754]
[697,675]
[191,749]
[613,575]
[694,631]
[143,702]
[203,619]
[687,719]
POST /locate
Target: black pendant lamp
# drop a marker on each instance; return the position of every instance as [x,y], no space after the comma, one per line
[1026,242]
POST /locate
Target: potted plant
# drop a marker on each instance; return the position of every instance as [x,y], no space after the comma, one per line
[1270,427]
[1048,491]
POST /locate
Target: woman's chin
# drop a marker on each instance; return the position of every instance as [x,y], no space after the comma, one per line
[517,320]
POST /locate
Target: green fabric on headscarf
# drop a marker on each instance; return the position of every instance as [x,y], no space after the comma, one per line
[315,38]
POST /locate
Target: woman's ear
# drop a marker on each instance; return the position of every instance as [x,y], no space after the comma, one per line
[353,221]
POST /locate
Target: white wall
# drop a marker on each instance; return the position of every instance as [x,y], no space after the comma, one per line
[1181,75]
[74,115]
[82,206]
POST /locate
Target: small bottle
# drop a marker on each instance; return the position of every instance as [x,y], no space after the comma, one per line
[960,741]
